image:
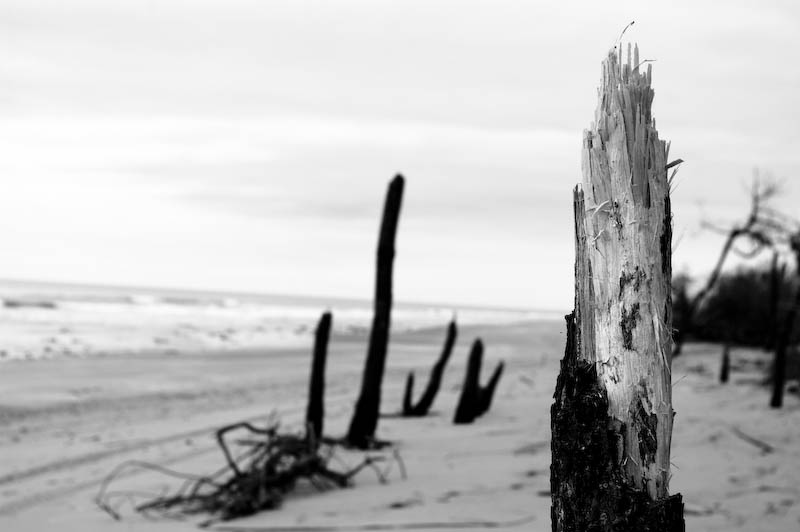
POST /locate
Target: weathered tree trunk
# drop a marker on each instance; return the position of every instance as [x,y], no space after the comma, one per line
[487,392]
[612,416]
[315,412]
[435,382]
[365,418]
[467,409]
[725,367]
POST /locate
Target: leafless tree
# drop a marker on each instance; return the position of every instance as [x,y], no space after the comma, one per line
[764,229]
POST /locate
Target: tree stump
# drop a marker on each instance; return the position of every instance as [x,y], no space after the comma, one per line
[365,417]
[612,416]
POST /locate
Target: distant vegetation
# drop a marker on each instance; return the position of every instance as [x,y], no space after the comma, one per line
[753,307]
[738,309]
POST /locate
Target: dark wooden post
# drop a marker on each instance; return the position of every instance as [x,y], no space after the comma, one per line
[315,412]
[779,362]
[435,381]
[612,416]
[365,417]
[467,409]
[725,367]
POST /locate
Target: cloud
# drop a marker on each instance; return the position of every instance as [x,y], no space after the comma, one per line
[158,132]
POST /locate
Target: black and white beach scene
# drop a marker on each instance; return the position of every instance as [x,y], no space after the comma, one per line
[350,265]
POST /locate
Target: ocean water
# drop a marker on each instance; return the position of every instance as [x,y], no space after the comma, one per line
[49,320]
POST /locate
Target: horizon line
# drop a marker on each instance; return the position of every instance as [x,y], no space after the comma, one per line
[240,293]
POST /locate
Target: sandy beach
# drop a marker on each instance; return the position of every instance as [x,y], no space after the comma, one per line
[192,189]
[66,423]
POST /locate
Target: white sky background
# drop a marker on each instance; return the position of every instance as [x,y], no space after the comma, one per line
[246,145]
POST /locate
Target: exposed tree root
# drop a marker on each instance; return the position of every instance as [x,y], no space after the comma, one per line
[256,479]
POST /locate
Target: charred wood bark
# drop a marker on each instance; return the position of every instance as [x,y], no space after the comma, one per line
[365,417]
[315,412]
[589,490]
[434,383]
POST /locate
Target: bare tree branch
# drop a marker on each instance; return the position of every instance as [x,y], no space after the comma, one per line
[764,228]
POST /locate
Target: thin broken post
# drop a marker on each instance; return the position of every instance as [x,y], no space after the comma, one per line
[612,416]
[408,402]
[422,407]
[364,423]
[725,366]
[315,412]
[778,374]
[487,392]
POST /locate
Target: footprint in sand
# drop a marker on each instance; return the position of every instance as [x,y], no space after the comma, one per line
[532,448]
[447,496]
[406,503]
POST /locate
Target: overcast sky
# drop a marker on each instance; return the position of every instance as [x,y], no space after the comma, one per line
[246,145]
